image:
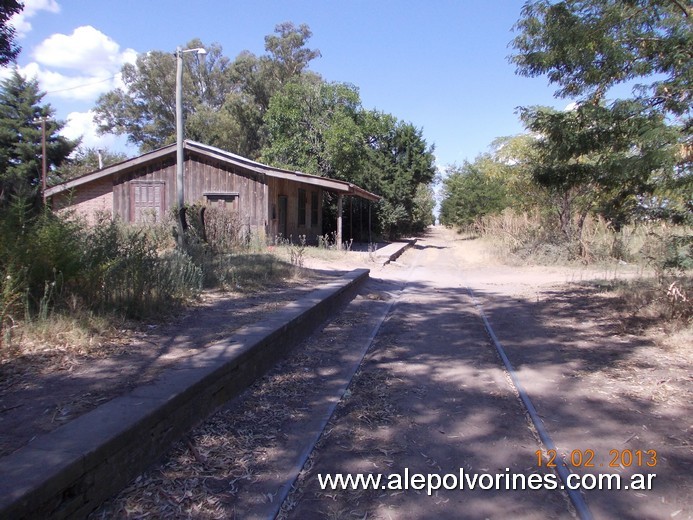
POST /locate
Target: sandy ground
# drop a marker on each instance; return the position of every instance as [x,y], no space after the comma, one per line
[431,397]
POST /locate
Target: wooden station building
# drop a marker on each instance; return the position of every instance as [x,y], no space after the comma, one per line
[270,201]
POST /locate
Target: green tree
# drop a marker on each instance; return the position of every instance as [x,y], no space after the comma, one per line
[424,203]
[588,46]
[314,126]
[86,160]
[510,161]
[603,159]
[256,79]
[8,48]
[470,192]
[224,101]
[145,110]
[288,55]
[398,162]
[322,128]
[21,140]
[610,156]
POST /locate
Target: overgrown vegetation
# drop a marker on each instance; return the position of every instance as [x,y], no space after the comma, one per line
[230,255]
[56,269]
[53,265]
[658,256]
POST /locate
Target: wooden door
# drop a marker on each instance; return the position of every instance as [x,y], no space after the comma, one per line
[147,201]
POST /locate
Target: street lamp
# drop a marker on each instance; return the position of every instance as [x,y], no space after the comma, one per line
[180,174]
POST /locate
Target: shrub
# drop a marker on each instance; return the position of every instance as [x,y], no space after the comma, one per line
[534,237]
[40,255]
[125,272]
[224,231]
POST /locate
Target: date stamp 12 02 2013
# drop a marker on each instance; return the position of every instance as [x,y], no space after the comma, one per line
[587,459]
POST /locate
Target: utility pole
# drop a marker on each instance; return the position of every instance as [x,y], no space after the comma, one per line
[180,153]
[44,167]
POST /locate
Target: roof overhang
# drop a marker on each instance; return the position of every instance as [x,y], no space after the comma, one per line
[333,185]
[337,186]
[111,170]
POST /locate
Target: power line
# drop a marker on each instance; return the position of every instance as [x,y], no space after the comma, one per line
[81,86]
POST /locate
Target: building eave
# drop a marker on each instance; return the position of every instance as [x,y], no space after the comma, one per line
[333,185]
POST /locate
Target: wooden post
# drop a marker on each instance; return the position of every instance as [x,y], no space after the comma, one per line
[351,218]
[43,157]
[340,200]
[370,239]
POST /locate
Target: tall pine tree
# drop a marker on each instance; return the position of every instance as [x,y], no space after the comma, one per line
[21,162]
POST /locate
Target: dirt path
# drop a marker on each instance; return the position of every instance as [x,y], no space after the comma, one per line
[432,397]
[593,383]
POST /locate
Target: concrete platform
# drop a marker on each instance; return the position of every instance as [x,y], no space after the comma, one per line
[70,471]
[392,251]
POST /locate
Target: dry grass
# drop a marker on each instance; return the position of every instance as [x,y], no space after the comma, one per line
[75,330]
[529,239]
[80,333]
[366,406]
[58,344]
[283,253]
[660,298]
[665,304]
[658,372]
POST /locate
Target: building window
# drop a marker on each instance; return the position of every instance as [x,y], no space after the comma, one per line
[226,200]
[147,201]
[302,207]
[314,207]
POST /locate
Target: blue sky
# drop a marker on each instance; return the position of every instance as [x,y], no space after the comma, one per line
[438,64]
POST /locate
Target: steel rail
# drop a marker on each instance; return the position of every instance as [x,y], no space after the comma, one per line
[576,498]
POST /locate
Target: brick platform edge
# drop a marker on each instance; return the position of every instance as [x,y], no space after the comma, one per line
[72,470]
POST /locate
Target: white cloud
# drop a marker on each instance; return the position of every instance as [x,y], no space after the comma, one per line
[88,60]
[79,67]
[31,7]
[87,50]
[79,88]
[21,22]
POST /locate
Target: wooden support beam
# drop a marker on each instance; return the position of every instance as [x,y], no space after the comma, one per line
[340,202]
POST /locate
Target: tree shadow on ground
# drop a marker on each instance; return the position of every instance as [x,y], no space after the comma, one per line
[431,399]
